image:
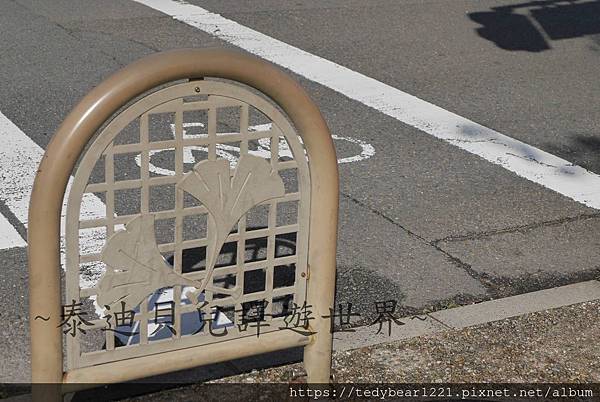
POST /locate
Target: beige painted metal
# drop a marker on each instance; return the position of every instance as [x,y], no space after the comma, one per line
[133,253]
[134,266]
[64,151]
[228,199]
[171,100]
[183,359]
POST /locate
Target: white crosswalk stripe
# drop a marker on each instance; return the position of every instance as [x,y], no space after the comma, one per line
[9,237]
[523,159]
[19,161]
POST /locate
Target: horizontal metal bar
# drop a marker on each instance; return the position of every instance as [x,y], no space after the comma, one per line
[146,366]
[168,214]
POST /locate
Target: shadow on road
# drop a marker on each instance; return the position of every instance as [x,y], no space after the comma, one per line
[538,23]
[582,150]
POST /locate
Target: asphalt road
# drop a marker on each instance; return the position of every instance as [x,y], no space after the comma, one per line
[421,221]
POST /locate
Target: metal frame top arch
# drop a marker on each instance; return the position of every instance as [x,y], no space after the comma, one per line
[101,104]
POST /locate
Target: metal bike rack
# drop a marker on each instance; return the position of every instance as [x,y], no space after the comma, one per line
[134,264]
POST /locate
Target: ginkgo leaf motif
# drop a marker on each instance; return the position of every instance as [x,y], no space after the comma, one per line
[135,267]
[228,198]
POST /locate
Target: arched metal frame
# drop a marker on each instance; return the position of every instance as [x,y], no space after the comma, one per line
[59,161]
[220,96]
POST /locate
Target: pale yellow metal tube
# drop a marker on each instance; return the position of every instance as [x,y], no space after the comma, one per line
[99,105]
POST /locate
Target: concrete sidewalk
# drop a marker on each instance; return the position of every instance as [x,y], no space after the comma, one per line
[557,344]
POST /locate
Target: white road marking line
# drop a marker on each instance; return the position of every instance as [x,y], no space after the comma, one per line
[19,160]
[18,164]
[525,160]
[367,150]
[9,237]
[231,153]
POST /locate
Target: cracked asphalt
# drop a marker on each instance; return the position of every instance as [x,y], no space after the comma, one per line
[551,346]
[421,222]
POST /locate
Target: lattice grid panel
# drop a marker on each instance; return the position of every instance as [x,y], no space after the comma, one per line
[134,166]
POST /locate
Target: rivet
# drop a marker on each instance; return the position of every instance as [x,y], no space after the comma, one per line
[197,89]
